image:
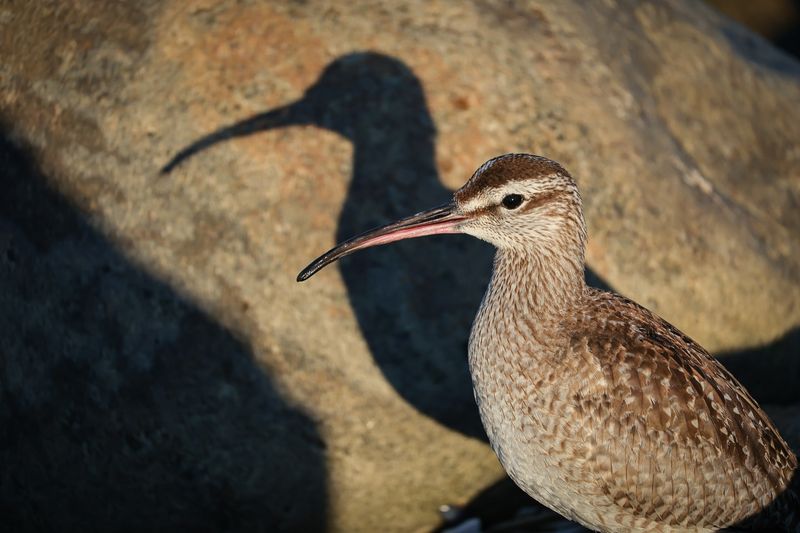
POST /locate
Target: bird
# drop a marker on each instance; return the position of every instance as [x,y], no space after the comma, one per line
[595,406]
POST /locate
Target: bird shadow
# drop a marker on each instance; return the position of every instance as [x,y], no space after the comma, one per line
[414,301]
[125,407]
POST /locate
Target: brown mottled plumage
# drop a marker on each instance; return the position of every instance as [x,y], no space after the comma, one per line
[595,406]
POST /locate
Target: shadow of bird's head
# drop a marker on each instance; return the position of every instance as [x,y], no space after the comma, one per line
[366,97]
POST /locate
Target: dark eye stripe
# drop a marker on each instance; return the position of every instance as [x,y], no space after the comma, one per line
[512,201]
[543,198]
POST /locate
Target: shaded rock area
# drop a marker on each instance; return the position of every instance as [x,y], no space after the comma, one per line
[160,367]
[124,405]
[776,20]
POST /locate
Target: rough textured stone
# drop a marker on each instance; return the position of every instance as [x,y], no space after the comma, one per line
[157,353]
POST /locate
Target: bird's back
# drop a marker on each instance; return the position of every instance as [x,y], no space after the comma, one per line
[674,439]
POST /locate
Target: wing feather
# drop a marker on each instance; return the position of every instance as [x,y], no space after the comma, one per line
[693,445]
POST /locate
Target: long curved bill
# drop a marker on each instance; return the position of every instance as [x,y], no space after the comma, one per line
[442,219]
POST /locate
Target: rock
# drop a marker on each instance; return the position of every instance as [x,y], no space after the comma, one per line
[161,367]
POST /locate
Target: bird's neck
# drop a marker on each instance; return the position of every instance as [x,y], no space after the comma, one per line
[531,295]
[520,327]
[541,283]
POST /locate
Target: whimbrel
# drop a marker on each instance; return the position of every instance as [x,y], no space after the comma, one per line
[595,406]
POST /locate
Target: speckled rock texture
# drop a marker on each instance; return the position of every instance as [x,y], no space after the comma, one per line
[160,368]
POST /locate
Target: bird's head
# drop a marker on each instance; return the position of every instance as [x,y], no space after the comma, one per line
[515,201]
[518,201]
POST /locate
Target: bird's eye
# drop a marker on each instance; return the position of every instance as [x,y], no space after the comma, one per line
[512,201]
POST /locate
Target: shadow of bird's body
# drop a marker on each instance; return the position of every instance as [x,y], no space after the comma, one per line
[414,313]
